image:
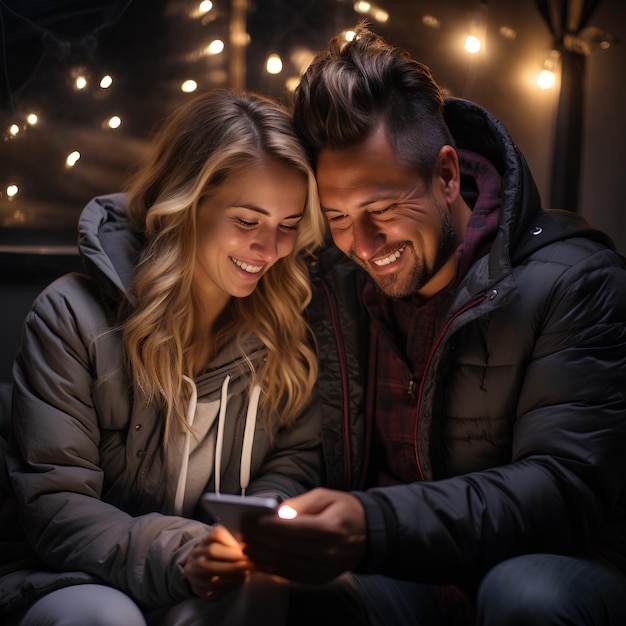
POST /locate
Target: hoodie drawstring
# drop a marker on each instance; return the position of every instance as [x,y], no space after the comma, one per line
[220,434]
[248,441]
[182,477]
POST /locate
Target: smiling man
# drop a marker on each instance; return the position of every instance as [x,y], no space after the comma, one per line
[400,230]
[472,351]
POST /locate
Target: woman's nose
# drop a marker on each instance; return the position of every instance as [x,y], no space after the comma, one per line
[265,245]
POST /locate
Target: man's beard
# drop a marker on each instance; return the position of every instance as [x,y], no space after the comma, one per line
[396,287]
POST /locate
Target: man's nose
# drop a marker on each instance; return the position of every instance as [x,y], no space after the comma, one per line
[367,238]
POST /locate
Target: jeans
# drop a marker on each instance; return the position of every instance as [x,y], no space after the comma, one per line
[260,600]
[548,589]
[530,590]
[84,605]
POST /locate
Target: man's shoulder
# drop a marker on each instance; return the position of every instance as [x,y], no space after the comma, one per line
[564,237]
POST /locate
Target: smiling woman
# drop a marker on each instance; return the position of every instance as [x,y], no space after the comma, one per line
[182,364]
[245,227]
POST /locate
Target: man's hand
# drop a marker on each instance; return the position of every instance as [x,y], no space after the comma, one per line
[325,539]
[216,565]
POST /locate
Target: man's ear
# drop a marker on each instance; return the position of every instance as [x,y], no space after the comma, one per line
[448,173]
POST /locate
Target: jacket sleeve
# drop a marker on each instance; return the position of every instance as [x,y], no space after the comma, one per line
[294,464]
[565,484]
[54,467]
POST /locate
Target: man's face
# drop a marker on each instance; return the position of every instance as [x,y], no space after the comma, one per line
[386,218]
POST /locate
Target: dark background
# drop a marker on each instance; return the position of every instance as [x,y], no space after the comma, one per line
[150,46]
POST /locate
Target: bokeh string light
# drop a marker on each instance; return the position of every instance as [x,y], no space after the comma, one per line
[200,62]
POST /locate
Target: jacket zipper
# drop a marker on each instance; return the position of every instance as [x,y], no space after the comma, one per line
[435,345]
[344,379]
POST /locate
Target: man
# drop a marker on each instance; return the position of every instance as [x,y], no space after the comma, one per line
[486,457]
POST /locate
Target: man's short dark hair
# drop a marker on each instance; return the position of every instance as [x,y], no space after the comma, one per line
[353,86]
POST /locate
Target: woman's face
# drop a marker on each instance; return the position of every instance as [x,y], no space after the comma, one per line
[244,228]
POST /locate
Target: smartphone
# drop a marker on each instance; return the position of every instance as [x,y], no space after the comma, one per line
[230,510]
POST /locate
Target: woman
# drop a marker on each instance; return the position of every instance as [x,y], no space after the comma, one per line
[181,365]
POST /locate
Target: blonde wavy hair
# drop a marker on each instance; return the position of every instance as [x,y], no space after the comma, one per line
[198,149]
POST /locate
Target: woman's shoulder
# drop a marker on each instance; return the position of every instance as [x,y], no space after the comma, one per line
[70,290]
[74,299]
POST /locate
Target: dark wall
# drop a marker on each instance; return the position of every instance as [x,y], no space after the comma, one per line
[22,277]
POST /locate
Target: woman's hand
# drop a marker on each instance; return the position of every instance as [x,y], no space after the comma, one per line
[216,565]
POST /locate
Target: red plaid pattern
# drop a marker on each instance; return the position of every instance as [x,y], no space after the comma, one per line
[403,331]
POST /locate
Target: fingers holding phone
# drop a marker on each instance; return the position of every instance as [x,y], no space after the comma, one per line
[216,565]
[326,538]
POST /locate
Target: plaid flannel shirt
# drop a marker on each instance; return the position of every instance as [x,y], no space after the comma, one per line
[402,332]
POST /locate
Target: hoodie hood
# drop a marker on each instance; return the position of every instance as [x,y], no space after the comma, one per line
[108,244]
[477,130]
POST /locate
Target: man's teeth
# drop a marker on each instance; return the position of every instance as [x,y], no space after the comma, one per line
[390,259]
[252,269]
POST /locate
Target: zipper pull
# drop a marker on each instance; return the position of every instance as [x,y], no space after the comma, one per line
[411,389]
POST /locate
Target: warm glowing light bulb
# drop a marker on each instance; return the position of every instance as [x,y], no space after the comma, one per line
[81,82]
[274,64]
[350,35]
[32,119]
[287,512]
[188,86]
[14,129]
[472,44]
[216,46]
[12,190]
[380,15]
[431,21]
[72,158]
[106,82]
[206,6]
[546,79]
[114,122]
[362,7]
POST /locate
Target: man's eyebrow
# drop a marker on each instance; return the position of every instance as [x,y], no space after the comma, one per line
[257,209]
[387,197]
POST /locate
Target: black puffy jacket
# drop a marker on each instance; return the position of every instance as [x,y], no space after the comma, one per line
[521,415]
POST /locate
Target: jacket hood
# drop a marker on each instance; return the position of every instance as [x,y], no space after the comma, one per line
[521,214]
[108,244]
[475,129]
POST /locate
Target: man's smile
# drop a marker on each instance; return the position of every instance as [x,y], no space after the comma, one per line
[391,258]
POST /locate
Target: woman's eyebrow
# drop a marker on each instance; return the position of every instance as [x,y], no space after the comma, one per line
[256,209]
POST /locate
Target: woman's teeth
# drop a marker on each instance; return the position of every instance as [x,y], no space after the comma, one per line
[252,269]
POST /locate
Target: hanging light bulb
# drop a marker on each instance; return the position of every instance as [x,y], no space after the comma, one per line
[72,158]
[215,47]
[274,64]
[114,122]
[546,79]
[189,86]
[472,44]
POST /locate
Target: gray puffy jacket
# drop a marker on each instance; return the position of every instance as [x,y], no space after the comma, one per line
[95,499]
